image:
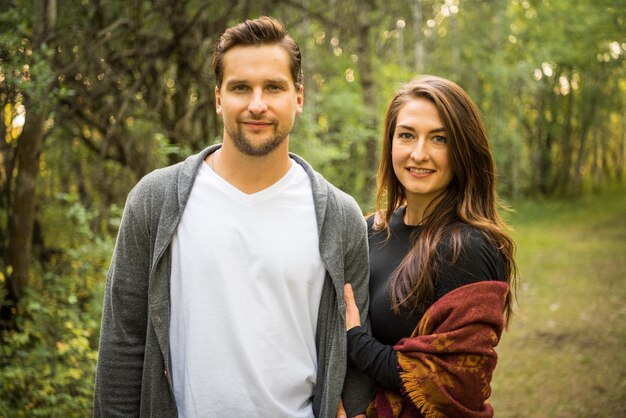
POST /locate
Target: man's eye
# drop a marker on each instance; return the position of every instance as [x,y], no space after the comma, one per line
[274,87]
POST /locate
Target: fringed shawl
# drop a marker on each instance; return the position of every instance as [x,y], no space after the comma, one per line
[448,362]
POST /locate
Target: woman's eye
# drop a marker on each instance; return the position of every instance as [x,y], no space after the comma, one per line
[405,135]
[440,139]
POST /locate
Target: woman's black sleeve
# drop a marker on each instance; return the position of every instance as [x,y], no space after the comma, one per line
[376,360]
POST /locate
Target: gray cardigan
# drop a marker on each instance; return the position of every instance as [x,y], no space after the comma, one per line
[133,377]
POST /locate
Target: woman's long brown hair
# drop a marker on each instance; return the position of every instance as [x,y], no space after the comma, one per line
[470,199]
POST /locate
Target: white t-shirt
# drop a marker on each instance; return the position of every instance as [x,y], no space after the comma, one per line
[246,285]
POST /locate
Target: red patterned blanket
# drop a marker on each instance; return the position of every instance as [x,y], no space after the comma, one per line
[448,362]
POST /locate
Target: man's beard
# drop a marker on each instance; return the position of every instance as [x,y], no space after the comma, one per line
[245,146]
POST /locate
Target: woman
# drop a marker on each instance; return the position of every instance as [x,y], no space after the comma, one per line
[442,265]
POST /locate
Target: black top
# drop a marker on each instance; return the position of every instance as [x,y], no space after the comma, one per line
[374,355]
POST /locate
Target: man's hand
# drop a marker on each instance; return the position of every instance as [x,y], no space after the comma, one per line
[353,318]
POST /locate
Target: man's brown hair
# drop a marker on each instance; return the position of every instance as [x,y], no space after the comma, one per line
[262,31]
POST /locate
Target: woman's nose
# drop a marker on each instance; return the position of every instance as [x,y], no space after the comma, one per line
[419,151]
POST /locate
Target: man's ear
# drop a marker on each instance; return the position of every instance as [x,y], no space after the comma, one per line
[218,101]
[300,100]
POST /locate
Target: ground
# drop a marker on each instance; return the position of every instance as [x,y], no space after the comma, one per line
[565,352]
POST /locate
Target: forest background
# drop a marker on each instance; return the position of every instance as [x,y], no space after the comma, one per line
[95,94]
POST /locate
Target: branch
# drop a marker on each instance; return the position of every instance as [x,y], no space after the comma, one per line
[312,13]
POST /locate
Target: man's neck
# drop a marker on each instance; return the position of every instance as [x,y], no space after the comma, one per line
[250,174]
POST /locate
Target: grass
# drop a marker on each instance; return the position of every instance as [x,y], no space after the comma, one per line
[565,352]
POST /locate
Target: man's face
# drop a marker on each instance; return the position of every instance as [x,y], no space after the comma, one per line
[258,101]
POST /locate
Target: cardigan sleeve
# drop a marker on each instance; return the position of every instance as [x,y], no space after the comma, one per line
[358,389]
[124,318]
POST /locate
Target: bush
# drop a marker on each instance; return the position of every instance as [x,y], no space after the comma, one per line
[47,364]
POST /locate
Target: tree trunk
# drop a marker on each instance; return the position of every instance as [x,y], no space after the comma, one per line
[595,168]
[420,54]
[542,160]
[564,174]
[22,210]
[620,157]
[588,117]
[366,72]
[604,175]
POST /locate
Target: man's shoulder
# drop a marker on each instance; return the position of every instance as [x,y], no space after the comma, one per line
[156,182]
[163,182]
[336,198]
[345,204]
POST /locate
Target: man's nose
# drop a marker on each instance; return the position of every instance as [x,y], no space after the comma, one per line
[257,102]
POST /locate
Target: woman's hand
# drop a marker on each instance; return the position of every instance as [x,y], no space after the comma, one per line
[341,412]
[353,319]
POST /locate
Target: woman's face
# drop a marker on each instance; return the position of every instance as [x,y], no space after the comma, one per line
[420,152]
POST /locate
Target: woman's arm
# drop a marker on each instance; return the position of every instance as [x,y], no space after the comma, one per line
[478,261]
[373,358]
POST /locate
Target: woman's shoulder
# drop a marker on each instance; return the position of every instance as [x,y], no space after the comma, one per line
[376,225]
[469,236]
[475,258]
[471,244]
[375,219]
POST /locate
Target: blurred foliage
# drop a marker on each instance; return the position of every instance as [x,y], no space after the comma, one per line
[47,365]
[126,87]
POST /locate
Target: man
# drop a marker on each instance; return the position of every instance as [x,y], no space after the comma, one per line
[225,292]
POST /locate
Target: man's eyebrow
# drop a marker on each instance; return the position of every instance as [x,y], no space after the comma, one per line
[265,82]
[277,81]
[233,81]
